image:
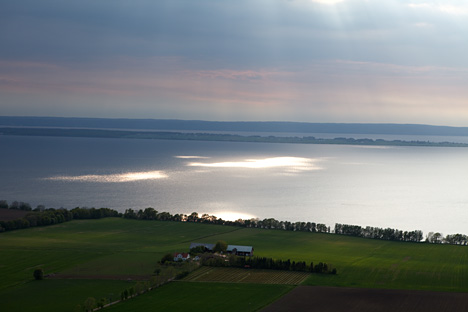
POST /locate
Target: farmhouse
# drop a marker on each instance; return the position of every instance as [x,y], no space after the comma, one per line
[181,256]
[240,250]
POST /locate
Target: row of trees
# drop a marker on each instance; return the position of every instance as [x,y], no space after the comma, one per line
[152,214]
[52,216]
[266,264]
[454,239]
[15,205]
[270,223]
[378,233]
[40,216]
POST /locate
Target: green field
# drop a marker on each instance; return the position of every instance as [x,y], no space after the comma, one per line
[58,295]
[124,249]
[186,296]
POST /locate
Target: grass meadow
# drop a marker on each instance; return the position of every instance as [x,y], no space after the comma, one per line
[122,248]
[58,295]
[188,296]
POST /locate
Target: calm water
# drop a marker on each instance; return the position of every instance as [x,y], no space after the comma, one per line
[400,187]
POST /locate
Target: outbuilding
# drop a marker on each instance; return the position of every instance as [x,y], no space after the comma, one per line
[239,250]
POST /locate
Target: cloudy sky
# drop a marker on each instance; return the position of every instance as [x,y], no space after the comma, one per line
[399,61]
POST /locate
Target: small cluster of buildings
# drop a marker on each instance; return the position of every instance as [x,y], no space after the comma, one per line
[237,250]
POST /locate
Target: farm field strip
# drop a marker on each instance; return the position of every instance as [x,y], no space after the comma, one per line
[190,296]
[238,275]
[337,299]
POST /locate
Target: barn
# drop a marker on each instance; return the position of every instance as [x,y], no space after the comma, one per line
[239,250]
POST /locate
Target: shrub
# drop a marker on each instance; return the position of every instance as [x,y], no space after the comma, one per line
[38,274]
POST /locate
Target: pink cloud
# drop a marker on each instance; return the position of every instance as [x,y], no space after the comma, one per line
[338,89]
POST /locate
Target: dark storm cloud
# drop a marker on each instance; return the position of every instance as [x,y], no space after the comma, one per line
[226,33]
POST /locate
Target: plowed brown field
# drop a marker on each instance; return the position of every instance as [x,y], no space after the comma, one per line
[331,299]
[11,214]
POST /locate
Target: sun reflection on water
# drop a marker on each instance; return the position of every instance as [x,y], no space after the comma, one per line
[232,215]
[294,163]
[191,157]
[112,178]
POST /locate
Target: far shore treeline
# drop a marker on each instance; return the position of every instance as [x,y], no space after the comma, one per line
[220,137]
[42,216]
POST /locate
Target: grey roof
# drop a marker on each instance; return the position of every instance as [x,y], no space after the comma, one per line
[239,248]
[207,246]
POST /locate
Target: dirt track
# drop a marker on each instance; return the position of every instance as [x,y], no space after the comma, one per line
[331,299]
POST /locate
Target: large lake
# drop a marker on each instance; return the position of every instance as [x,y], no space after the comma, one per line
[408,188]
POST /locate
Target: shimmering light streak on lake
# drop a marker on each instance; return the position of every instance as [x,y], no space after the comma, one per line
[291,163]
[232,215]
[112,178]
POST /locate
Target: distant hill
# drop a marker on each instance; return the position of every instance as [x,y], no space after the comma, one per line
[237,126]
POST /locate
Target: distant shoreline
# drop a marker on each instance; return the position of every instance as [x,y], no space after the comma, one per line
[233,126]
[219,137]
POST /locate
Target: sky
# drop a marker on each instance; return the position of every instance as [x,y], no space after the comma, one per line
[373,61]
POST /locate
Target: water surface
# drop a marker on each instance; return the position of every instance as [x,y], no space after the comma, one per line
[399,187]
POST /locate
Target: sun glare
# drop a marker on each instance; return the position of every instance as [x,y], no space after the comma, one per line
[191,157]
[112,178]
[232,215]
[295,163]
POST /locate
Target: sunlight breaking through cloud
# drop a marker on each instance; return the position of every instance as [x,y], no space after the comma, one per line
[112,178]
[290,163]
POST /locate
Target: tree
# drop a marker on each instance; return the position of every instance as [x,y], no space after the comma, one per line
[318,268]
[149,214]
[38,274]
[3,204]
[437,238]
[220,246]
[140,288]
[90,304]
[434,237]
[40,208]
[25,206]
[167,257]
[197,250]
[102,302]
[193,217]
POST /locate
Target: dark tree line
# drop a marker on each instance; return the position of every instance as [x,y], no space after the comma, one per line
[47,216]
[378,233]
[270,223]
[15,205]
[266,264]
[41,216]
